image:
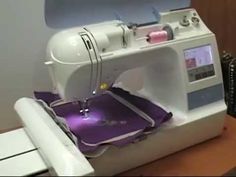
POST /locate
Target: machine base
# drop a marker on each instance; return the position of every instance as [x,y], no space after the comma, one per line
[165,142]
[197,126]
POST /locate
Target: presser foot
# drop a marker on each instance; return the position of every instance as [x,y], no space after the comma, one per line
[84,108]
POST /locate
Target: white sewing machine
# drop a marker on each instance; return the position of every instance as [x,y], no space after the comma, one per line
[174,63]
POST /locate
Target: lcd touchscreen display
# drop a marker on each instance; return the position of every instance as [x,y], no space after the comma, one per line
[198,57]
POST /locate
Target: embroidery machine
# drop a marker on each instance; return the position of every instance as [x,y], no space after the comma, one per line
[174,64]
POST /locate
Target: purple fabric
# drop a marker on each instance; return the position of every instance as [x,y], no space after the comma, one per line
[85,148]
[47,97]
[107,118]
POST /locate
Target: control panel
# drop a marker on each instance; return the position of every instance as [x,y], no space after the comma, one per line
[199,63]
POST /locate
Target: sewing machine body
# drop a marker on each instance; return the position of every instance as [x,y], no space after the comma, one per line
[119,54]
[99,54]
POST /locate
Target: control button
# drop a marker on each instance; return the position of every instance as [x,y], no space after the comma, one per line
[205,69]
[195,21]
[204,75]
[184,22]
[191,77]
[211,73]
[202,70]
[198,76]
[210,67]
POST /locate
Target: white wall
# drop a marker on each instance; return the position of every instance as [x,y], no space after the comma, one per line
[23,39]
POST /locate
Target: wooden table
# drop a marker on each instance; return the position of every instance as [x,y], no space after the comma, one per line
[212,158]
